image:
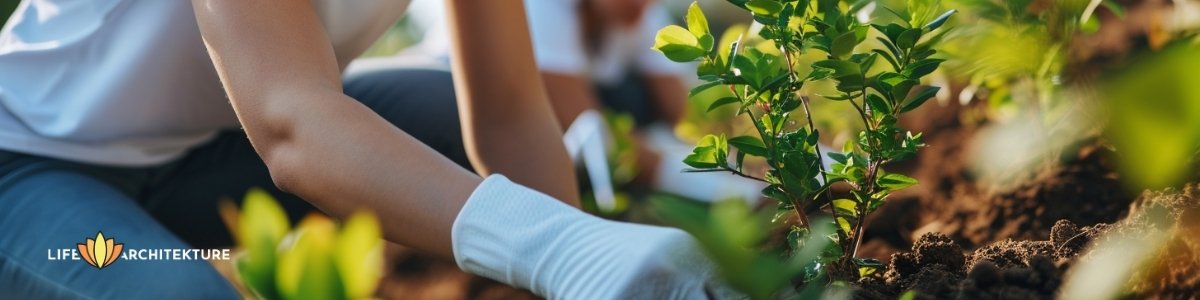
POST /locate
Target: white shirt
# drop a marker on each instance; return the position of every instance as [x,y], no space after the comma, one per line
[558,41]
[124,82]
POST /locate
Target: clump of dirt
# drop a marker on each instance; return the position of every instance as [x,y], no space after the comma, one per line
[937,267]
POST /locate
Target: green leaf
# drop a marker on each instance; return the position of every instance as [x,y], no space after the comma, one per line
[844,225]
[901,89]
[696,22]
[847,73]
[846,207]
[698,25]
[678,44]
[896,181]
[843,45]
[722,102]
[710,69]
[940,20]
[908,39]
[888,56]
[890,46]
[839,97]
[840,68]
[878,104]
[922,68]
[919,99]
[749,145]
[702,87]
[359,255]
[262,224]
[710,153]
[764,7]
[306,267]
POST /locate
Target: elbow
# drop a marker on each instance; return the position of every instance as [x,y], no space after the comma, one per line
[283,163]
[272,130]
[285,175]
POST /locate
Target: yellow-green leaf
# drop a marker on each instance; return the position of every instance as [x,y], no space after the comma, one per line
[306,268]
[846,207]
[359,255]
[844,225]
[261,225]
[678,44]
[696,21]
[764,7]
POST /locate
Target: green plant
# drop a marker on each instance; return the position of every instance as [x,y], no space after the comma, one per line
[763,73]
[315,261]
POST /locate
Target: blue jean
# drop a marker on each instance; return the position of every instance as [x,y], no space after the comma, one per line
[48,203]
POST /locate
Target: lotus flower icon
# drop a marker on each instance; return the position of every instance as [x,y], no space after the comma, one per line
[100,252]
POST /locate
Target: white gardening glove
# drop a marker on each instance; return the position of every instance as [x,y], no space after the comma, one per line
[523,238]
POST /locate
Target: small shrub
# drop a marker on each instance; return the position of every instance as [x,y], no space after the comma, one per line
[881,83]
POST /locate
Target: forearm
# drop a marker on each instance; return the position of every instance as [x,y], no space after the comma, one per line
[570,95]
[282,79]
[508,124]
[669,96]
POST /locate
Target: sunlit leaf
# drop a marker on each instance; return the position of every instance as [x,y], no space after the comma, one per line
[678,44]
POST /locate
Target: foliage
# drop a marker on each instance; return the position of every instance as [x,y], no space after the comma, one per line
[315,261]
[1017,50]
[880,83]
[728,230]
[1155,122]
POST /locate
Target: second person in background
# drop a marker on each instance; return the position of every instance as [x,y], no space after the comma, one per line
[595,55]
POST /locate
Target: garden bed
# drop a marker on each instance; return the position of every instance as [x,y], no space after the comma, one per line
[938,267]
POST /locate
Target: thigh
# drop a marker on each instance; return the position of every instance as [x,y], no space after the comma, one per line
[55,208]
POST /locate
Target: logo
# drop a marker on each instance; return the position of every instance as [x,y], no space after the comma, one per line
[100,252]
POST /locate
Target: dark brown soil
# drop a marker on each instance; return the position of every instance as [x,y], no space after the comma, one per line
[937,267]
[1083,188]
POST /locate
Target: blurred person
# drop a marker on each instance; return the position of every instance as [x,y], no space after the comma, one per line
[597,55]
[114,117]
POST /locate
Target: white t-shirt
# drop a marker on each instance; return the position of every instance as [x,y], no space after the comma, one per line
[558,41]
[125,82]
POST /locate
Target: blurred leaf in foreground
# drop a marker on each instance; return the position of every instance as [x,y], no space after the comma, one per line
[1155,110]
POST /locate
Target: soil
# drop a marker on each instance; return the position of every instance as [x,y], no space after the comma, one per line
[415,275]
[937,267]
[1083,188]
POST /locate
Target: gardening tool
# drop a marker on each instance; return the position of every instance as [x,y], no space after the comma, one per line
[586,141]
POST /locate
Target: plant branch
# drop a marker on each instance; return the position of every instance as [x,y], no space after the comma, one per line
[727,169]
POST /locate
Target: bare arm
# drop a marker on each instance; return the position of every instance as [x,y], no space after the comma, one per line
[669,96]
[282,77]
[570,95]
[499,94]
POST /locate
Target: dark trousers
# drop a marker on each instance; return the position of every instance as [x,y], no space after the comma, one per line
[49,203]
